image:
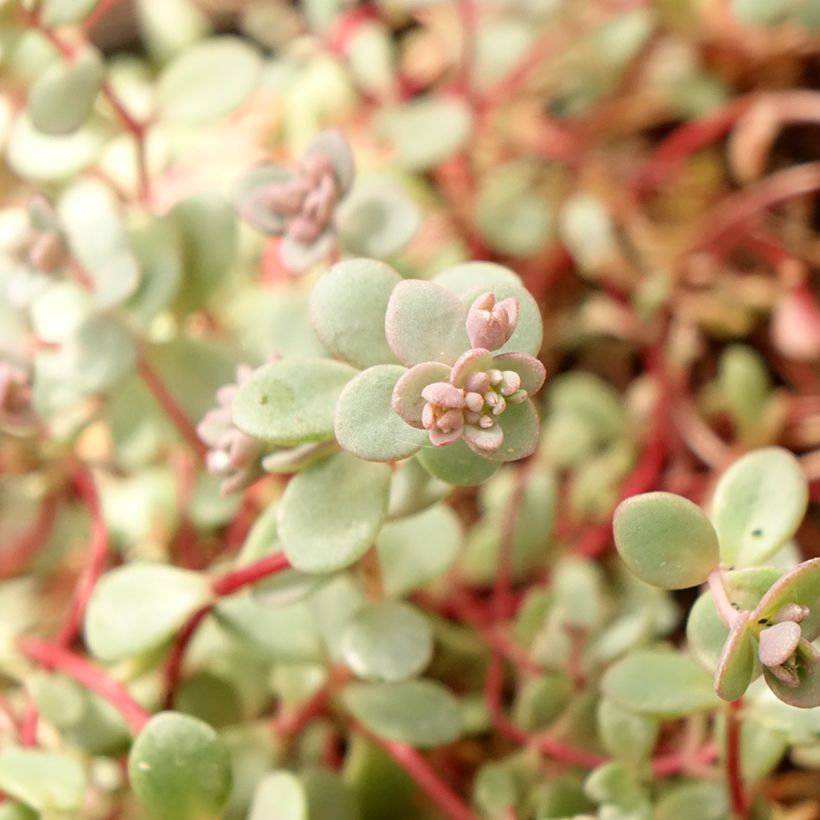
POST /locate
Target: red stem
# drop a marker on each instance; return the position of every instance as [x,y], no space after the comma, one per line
[85,673]
[424,775]
[95,561]
[169,404]
[28,724]
[173,665]
[290,725]
[234,580]
[734,781]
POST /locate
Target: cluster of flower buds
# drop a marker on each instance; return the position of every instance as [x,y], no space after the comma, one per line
[299,204]
[782,643]
[480,387]
[232,455]
[39,255]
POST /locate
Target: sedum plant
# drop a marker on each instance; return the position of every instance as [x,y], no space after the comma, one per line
[293,525]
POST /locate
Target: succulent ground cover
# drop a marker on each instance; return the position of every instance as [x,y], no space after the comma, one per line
[409,410]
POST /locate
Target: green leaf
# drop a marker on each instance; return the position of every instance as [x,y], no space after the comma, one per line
[626,735]
[63,96]
[737,663]
[425,322]
[706,801]
[419,549]
[347,308]
[180,769]
[413,489]
[208,80]
[331,512]
[280,795]
[158,249]
[366,423]
[542,700]
[50,783]
[806,695]
[469,276]
[800,586]
[425,131]
[758,505]
[329,796]
[420,713]
[378,219]
[457,464]
[665,540]
[17,811]
[63,12]
[207,232]
[659,683]
[387,641]
[137,607]
[291,401]
[521,427]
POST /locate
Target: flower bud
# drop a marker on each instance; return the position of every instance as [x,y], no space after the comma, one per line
[490,324]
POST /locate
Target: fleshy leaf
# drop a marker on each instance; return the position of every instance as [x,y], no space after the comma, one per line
[347,309]
[660,683]
[425,322]
[665,540]
[806,695]
[180,769]
[407,400]
[297,257]
[800,586]
[737,662]
[627,736]
[52,784]
[457,464]
[366,423]
[420,713]
[208,80]
[62,97]
[378,219]
[469,276]
[521,430]
[418,549]
[137,607]
[387,641]
[279,794]
[251,205]
[531,371]
[758,505]
[331,512]
[335,147]
[291,401]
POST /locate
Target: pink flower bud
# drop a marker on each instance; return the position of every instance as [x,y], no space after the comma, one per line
[489,323]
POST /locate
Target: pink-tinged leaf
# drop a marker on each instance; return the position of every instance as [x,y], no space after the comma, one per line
[531,371]
[438,438]
[800,586]
[737,661]
[407,400]
[483,440]
[806,694]
[443,394]
[297,257]
[473,361]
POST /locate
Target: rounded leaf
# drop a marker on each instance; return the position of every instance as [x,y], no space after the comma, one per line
[378,219]
[291,401]
[251,205]
[806,695]
[180,769]
[62,12]
[665,540]
[521,428]
[387,641]
[407,400]
[758,505]
[137,607]
[366,423]
[660,683]
[469,276]
[457,464]
[52,784]
[347,309]
[280,795]
[331,512]
[737,663]
[627,736]
[208,80]
[420,713]
[63,96]
[417,550]
[800,586]
[424,322]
